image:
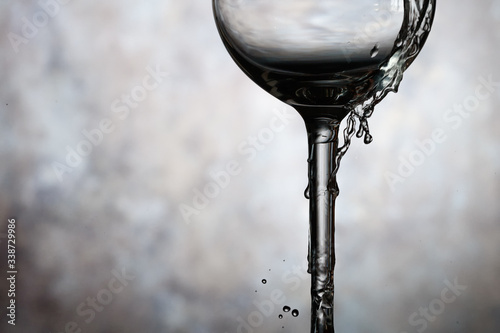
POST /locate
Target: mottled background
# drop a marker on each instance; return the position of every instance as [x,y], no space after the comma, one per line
[118,210]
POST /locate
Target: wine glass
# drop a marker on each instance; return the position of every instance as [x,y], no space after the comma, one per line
[329,59]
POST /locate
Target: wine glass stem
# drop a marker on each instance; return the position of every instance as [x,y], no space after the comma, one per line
[323,190]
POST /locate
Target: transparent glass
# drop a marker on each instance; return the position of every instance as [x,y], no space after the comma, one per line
[328,59]
[310,52]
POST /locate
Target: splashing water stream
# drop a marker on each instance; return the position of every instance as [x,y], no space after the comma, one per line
[325,156]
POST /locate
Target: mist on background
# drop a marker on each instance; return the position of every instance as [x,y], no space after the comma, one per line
[154,186]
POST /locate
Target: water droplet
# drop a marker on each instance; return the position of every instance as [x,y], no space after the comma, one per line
[264,281]
[286,308]
[306,192]
[374,51]
[295,313]
[280,316]
[368,138]
[269,269]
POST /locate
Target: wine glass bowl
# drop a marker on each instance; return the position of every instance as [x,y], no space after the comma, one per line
[312,53]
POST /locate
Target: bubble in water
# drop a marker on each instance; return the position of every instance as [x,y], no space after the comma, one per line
[374,51]
[286,308]
[264,281]
[295,313]
[280,316]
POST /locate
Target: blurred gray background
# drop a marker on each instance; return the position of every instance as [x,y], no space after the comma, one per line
[103,239]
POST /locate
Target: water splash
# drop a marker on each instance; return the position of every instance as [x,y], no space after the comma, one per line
[415,28]
[412,36]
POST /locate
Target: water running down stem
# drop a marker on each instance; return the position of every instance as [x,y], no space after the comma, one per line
[323,190]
